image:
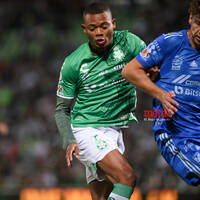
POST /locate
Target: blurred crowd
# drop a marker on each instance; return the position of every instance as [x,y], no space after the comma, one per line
[35,38]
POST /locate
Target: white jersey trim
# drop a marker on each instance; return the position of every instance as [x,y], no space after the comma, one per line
[173,34]
[65,97]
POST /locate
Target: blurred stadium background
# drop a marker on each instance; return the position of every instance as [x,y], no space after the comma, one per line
[36,36]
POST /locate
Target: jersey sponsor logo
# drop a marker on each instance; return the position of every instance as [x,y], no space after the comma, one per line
[190,82]
[177,62]
[184,79]
[192,92]
[178,90]
[118,67]
[83,66]
[91,88]
[186,91]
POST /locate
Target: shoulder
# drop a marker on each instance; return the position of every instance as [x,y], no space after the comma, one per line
[134,39]
[135,43]
[76,56]
[179,35]
[73,60]
[125,35]
[171,40]
[132,36]
[131,42]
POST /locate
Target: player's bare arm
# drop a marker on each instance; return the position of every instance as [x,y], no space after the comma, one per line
[135,73]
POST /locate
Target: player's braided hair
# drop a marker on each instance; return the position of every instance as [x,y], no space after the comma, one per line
[194,8]
[96,8]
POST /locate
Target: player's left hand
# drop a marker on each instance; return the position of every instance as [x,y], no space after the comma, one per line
[72,149]
[168,102]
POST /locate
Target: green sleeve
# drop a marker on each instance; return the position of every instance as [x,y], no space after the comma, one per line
[62,117]
[68,79]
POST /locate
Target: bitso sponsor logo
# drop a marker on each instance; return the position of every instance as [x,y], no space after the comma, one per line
[178,90]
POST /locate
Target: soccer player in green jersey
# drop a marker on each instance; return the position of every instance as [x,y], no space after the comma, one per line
[104,103]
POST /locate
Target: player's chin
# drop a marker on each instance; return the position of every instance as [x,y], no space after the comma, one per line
[102,48]
[197,41]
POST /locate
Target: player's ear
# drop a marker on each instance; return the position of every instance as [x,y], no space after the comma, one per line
[83,27]
[114,23]
[190,19]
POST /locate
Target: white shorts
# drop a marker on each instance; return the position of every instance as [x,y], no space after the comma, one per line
[95,144]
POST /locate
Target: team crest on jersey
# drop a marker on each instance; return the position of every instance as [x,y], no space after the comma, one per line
[118,54]
[177,62]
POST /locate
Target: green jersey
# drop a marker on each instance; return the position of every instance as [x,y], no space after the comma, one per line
[103,96]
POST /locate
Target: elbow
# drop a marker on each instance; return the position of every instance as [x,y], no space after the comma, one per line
[128,74]
[133,72]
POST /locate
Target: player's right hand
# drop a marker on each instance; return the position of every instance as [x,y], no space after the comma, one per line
[72,148]
[152,72]
[168,103]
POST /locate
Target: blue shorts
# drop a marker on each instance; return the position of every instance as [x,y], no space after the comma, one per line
[182,154]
